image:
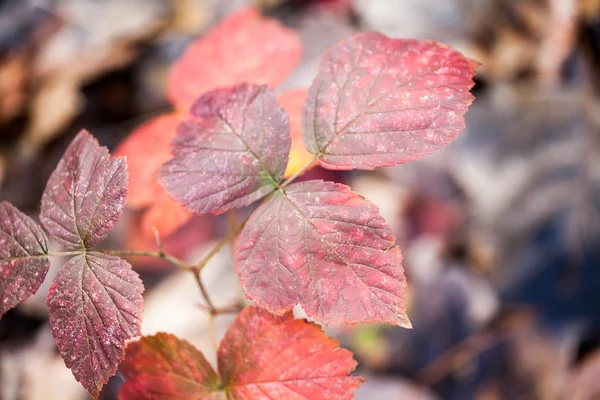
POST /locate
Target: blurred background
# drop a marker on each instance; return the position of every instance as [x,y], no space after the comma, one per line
[500,231]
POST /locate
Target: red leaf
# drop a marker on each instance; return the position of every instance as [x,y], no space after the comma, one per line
[85,194]
[326,248]
[165,367]
[166,215]
[293,102]
[23,260]
[146,149]
[268,357]
[230,152]
[245,47]
[260,357]
[378,101]
[95,305]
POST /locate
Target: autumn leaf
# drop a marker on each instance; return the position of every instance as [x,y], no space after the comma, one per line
[95,305]
[85,194]
[378,101]
[23,257]
[261,357]
[293,103]
[267,357]
[146,149]
[230,152]
[244,47]
[166,215]
[326,248]
[95,301]
[165,367]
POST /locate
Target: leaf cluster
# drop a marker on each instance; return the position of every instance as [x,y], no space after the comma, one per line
[375,102]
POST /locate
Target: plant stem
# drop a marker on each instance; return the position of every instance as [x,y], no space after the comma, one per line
[155,254]
[298,173]
[64,253]
[234,232]
[211,307]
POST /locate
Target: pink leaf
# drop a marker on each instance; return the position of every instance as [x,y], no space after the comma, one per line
[326,248]
[85,194]
[231,151]
[23,260]
[379,101]
[165,367]
[268,357]
[244,47]
[95,305]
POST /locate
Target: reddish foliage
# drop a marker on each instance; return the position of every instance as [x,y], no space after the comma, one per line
[166,215]
[244,47]
[326,248]
[146,149]
[230,152]
[379,101]
[95,305]
[165,367]
[263,356]
[260,357]
[95,302]
[23,260]
[85,194]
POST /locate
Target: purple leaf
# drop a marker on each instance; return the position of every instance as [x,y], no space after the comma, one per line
[95,305]
[326,248]
[231,151]
[379,101]
[85,194]
[23,260]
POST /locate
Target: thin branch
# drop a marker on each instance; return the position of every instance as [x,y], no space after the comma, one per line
[64,253]
[298,173]
[209,303]
[155,254]
[220,245]
[158,242]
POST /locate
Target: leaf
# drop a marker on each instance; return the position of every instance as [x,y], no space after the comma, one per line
[165,367]
[146,149]
[378,101]
[85,194]
[23,257]
[293,102]
[166,215]
[95,305]
[230,152]
[260,357]
[267,357]
[244,47]
[326,248]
